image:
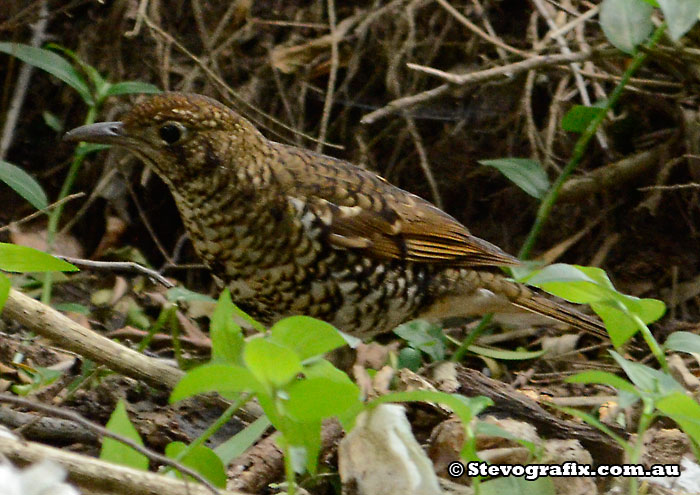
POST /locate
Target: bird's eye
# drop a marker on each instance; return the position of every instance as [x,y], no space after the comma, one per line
[171,132]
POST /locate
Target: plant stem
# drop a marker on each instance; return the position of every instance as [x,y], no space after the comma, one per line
[289,470]
[55,215]
[645,421]
[469,339]
[216,425]
[582,144]
[651,342]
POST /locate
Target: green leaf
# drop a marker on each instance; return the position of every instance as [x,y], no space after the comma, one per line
[527,174]
[424,336]
[23,184]
[621,327]
[579,117]
[304,441]
[504,354]
[307,336]
[654,382]
[70,307]
[226,336]
[626,23]
[271,363]
[4,290]
[177,294]
[681,15]
[117,452]
[604,378]
[200,458]
[221,378]
[52,63]
[14,258]
[131,87]
[570,283]
[683,342]
[683,410]
[315,399]
[52,121]
[239,443]
[410,358]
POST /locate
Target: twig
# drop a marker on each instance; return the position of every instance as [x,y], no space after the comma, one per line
[674,187]
[328,102]
[94,476]
[531,63]
[123,266]
[405,103]
[477,30]
[16,223]
[104,432]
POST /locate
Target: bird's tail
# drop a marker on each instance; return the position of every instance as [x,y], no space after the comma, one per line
[464,288]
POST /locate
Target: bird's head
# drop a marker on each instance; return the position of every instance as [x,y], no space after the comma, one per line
[182,136]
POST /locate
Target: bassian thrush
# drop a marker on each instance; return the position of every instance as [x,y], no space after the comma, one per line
[290,231]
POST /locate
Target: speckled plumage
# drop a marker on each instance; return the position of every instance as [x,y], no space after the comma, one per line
[291,231]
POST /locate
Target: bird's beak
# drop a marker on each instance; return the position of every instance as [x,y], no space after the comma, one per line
[102,132]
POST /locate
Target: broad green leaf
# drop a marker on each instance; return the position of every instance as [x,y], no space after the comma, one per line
[4,290]
[52,63]
[239,443]
[14,258]
[505,354]
[117,452]
[200,458]
[654,382]
[626,23]
[579,117]
[226,336]
[307,336]
[604,378]
[221,378]
[621,327]
[680,15]
[527,174]
[570,283]
[131,87]
[648,310]
[424,336]
[271,363]
[323,368]
[683,342]
[23,184]
[304,441]
[315,399]
[683,410]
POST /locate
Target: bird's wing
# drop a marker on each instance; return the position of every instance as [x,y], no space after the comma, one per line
[363,211]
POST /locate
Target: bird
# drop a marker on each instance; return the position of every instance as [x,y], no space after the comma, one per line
[291,232]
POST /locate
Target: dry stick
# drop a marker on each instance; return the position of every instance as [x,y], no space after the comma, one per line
[104,432]
[16,223]
[328,102]
[423,161]
[531,63]
[74,337]
[407,102]
[94,476]
[122,266]
[476,30]
[582,145]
